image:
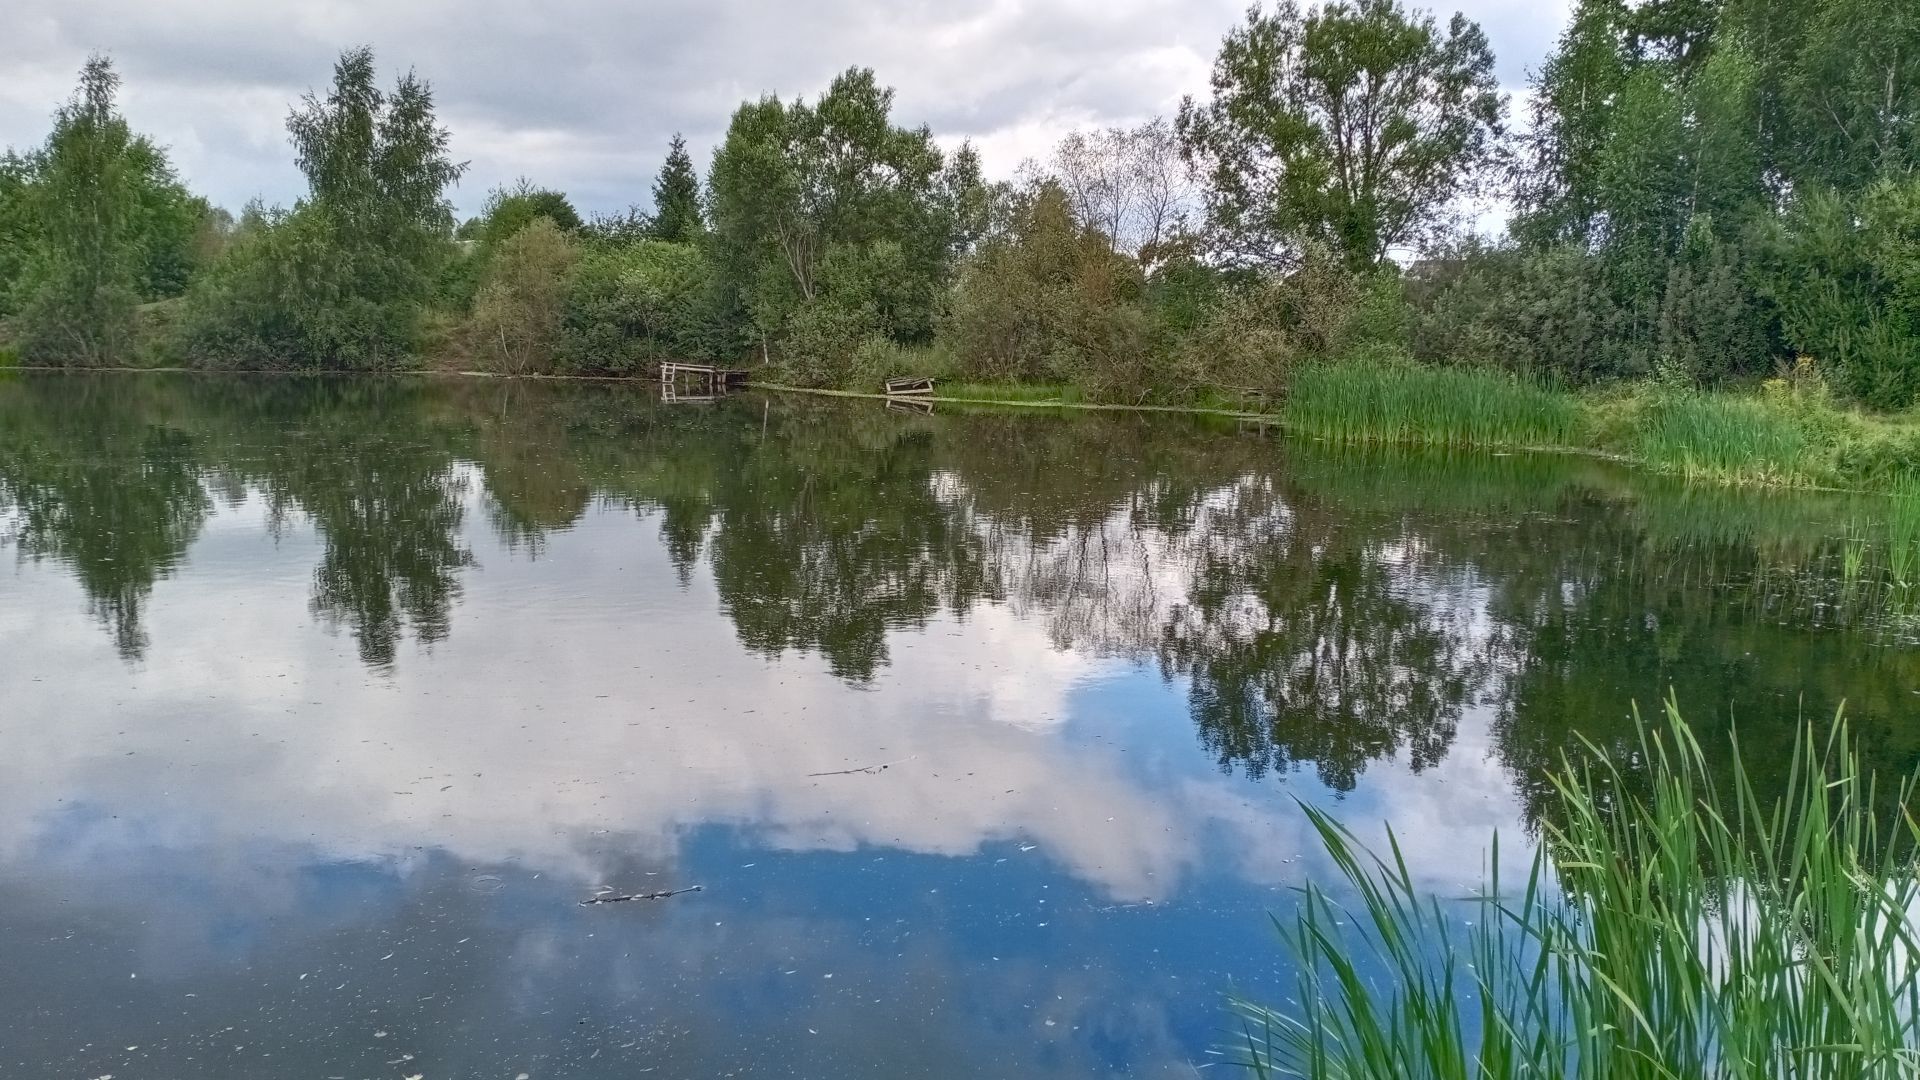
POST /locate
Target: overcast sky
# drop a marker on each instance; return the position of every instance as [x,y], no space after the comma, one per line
[583,94]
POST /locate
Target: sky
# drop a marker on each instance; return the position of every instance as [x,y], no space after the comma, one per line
[583,95]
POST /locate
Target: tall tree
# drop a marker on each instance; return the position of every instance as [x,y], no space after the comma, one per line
[831,211]
[1130,183]
[676,197]
[1354,125]
[82,280]
[1574,93]
[342,280]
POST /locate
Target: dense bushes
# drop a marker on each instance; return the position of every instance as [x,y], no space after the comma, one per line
[646,301]
[1848,287]
[341,281]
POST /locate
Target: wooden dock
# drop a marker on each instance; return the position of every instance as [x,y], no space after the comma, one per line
[697,382]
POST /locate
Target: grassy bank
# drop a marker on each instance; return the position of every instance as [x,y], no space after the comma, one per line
[1677,922]
[1782,433]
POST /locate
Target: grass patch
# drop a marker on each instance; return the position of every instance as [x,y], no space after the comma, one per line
[1370,401]
[1670,926]
[1726,438]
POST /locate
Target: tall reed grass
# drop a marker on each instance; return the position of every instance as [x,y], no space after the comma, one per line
[1726,438]
[1669,926]
[1373,401]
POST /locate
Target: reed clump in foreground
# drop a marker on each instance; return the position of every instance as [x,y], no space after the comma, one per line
[1404,402]
[1669,926]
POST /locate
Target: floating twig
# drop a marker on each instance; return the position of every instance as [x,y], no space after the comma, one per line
[869,770]
[641,896]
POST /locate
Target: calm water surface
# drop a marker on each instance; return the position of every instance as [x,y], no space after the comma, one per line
[324,704]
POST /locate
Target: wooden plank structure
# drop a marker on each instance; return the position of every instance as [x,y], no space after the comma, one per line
[908,386]
[919,405]
[696,382]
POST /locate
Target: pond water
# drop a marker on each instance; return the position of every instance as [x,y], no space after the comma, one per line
[324,704]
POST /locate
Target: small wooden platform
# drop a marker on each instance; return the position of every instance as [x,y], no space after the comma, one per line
[907,386]
[696,382]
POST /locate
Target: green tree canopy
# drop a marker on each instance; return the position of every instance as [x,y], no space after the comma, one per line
[90,225]
[340,282]
[514,207]
[830,211]
[1353,125]
[676,197]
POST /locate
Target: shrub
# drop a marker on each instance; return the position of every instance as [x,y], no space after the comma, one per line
[518,317]
[634,303]
[1048,298]
[1713,326]
[287,297]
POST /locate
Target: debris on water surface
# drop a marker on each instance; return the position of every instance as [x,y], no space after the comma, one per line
[641,896]
[869,770]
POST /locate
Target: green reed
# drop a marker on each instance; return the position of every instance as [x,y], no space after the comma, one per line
[1721,437]
[1670,925]
[1369,401]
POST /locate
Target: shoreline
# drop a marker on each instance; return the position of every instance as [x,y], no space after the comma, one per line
[1276,421]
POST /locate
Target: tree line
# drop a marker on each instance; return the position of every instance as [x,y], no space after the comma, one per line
[1702,192]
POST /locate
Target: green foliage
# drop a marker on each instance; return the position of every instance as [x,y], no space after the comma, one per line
[19,229]
[518,316]
[809,200]
[640,302]
[94,194]
[1352,125]
[1047,299]
[1669,925]
[1264,325]
[1666,136]
[512,208]
[676,197]
[507,211]
[340,282]
[1848,285]
[1374,401]
[1547,313]
[76,292]
[1714,326]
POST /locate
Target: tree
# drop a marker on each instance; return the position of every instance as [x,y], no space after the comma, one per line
[518,205]
[676,197]
[1130,183]
[1850,95]
[341,281]
[1049,298]
[647,300]
[82,280]
[1848,284]
[19,229]
[517,318]
[1558,191]
[831,224]
[1354,125]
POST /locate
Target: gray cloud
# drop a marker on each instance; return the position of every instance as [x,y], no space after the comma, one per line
[583,94]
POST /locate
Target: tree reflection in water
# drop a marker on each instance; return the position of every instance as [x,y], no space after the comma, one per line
[1325,609]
